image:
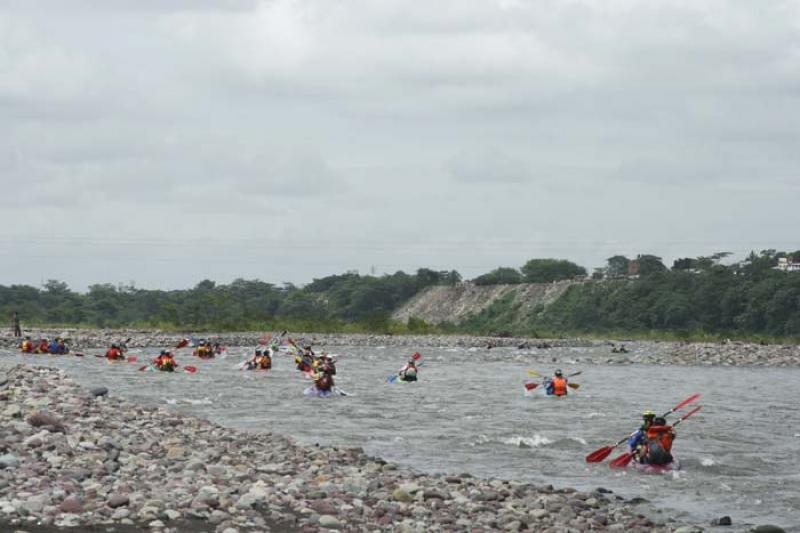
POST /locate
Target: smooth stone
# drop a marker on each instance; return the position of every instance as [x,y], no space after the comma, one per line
[13,411]
[9,461]
[329,521]
[118,501]
[767,528]
[722,521]
[155,524]
[538,513]
[71,505]
[402,495]
[688,529]
[98,391]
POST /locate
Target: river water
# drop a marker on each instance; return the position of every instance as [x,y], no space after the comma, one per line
[470,413]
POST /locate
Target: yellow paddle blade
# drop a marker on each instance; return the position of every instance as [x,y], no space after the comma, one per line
[574,385]
[534,373]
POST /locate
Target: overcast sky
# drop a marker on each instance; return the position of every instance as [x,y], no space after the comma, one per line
[164,142]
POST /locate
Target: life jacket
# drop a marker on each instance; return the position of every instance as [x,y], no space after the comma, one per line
[559,386]
[53,347]
[658,445]
[409,373]
[165,362]
[325,382]
[264,362]
[26,346]
[114,353]
[42,348]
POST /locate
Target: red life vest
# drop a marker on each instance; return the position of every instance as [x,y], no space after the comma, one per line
[27,346]
[559,386]
[114,353]
[662,435]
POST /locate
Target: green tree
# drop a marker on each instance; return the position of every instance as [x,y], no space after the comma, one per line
[617,266]
[499,276]
[548,270]
[650,264]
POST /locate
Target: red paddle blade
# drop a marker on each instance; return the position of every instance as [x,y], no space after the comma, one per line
[143,367]
[416,356]
[191,369]
[621,461]
[687,415]
[264,339]
[184,342]
[599,455]
[688,400]
[531,386]
[132,359]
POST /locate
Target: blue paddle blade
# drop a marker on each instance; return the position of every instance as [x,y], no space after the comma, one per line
[392,378]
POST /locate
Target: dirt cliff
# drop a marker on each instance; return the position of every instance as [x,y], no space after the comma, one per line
[454,304]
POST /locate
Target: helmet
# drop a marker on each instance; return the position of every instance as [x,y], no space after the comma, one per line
[258,352]
[412,362]
[114,345]
[558,372]
[163,352]
[649,414]
[660,421]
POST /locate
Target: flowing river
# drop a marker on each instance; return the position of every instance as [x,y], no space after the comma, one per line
[470,413]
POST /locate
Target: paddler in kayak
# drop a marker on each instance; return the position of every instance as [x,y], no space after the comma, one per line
[44,344]
[165,362]
[408,372]
[26,346]
[323,380]
[557,385]
[261,361]
[636,442]
[654,446]
[305,362]
[204,350]
[115,353]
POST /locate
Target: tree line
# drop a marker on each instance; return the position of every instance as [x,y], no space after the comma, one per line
[640,294]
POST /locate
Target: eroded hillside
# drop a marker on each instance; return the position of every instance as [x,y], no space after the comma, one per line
[454,304]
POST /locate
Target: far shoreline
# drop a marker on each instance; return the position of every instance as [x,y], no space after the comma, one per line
[604,351]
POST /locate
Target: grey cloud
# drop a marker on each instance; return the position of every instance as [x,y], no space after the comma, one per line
[487,165]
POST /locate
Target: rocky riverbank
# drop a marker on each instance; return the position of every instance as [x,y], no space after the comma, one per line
[72,457]
[649,352]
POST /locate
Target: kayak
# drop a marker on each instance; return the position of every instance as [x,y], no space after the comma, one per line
[314,391]
[656,469]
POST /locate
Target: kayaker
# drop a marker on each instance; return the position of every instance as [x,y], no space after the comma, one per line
[557,385]
[637,440]
[265,361]
[57,347]
[323,380]
[326,364]
[115,353]
[304,363]
[165,361]
[43,345]
[658,443]
[204,350]
[408,372]
[27,345]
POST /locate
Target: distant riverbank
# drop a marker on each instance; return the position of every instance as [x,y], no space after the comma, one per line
[729,353]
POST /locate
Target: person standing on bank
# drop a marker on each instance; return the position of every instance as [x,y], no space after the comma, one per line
[17,329]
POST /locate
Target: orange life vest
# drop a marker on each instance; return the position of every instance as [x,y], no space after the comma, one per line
[27,346]
[662,435]
[559,386]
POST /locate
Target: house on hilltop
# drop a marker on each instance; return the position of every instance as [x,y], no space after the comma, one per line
[788,264]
